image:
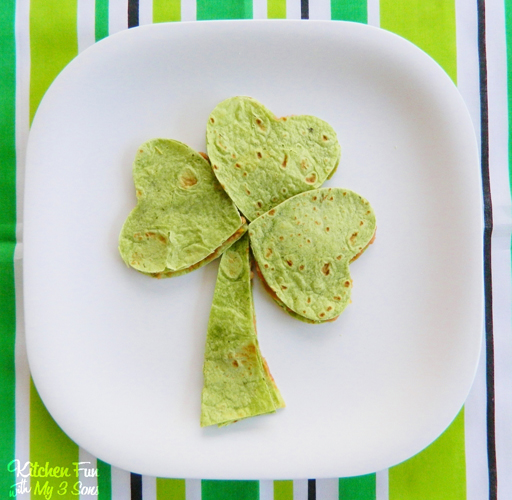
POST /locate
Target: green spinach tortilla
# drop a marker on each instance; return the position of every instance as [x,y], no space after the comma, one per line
[237,382]
[303,248]
[261,160]
[183,218]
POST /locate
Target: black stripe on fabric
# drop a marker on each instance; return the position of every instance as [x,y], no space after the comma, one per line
[304,9]
[133,13]
[135,486]
[486,186]
[311,489]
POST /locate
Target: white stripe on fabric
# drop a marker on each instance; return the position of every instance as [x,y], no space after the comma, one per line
[502,225]
[477,476]
[293,12]
[300,489]
[320,9]
[117,16]
[373,9]
[382,485]
[259,9]
[148,488]
[22,373]
[502,298]
[468,83]
[267,490]
[327,489]
[188,10]
[145,13]
[85,24]
[120,484]
[87,470]
[498,118]
[193,489]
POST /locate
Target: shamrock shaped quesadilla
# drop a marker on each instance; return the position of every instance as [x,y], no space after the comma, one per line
[183,218]
[304,246]
[237,382]
[261,160]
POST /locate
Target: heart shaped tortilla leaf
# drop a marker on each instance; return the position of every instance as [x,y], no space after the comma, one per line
[261,160]
[183,218]
[303,248]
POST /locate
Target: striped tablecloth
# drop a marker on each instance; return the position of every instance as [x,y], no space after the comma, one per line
[473,458]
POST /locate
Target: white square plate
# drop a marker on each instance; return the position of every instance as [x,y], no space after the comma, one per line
[117,356]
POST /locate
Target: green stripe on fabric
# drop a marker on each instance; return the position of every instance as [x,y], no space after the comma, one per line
[104,480]
[170,489]
[7,244]
[358,488]
[276,9]
[349,10]
[101,19]
[50,448]
[166,10]
[437,472]
[508,28]
[53,43]
[230,490]
[223,9]
[283,490]
[430,24]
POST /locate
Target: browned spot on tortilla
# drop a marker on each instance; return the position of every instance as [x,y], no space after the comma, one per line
[272,212]
[308,241]
[344,194]
[138,193]
[259,154]
[321,315]
[337,297]
[346,284]
[363,249]
[284,287]
[331,198]
[327,229]
[245,174]
[304,164]
[247,191]
[361,223]
[268,253]
[204,155]
[235,363]
[318,223]
[314,208]
[281,238]
[285,161]
[326,269]
[329,308]
[237,165]
[259,204]
[309,300]
[161,237]
[266,266]
[301,267]
[311,179]
[314,198]
[260,124]
[290,263]
[211,119]
[339,257]
[215,167]
[325,138]
[353,237]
